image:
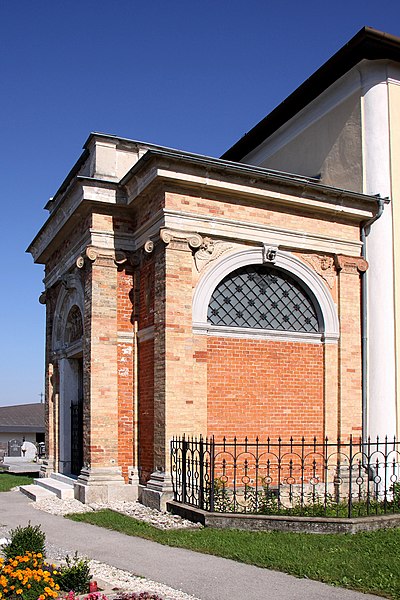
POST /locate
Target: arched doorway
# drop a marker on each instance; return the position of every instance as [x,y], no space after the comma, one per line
[68,353]
[73,336]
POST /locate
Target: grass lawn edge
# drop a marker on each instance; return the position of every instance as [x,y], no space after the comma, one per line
[314,556]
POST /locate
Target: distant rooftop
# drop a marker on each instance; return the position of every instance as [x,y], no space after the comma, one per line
[22,418]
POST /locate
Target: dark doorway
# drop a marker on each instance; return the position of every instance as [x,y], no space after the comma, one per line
[77,424]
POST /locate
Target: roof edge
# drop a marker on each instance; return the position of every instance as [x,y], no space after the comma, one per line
[368,43]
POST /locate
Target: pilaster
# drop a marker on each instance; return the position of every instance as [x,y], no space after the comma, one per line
[176,410]
[349,364]
[101,478]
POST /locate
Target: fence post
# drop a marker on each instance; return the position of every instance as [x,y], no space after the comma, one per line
[212,473]
[279,471]
[350,504]
[184,482]
[201,473]
[171,460]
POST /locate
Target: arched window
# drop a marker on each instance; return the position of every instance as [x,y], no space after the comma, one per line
[262,297]
[74,326]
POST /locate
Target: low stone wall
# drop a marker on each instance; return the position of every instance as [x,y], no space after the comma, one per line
[282,522]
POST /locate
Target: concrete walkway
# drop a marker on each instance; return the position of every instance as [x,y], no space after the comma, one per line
[206,577]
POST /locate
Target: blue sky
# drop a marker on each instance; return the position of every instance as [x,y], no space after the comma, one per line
[185,74]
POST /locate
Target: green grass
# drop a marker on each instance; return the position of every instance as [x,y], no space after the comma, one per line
[369,562]
[8,481]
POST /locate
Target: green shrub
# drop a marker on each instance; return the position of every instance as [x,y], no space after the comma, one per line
[75,575]
[25,539]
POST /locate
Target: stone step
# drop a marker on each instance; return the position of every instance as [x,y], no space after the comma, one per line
[59,488]
[36,492]
[64,478]
[20,467]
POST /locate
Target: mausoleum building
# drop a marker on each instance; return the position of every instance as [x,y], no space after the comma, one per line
[192,295]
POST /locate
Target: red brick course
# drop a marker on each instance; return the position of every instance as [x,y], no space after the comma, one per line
[125,358]
[146,409]
[264,388]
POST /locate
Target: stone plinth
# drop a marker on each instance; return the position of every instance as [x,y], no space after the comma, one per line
[157,492]
[103,485]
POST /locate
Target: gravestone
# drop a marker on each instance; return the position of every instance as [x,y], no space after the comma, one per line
[14,448]
[28,450]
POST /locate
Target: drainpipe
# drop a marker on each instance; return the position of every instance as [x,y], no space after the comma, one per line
[365,229]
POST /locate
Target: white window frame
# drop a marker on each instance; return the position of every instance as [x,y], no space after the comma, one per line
[311,281]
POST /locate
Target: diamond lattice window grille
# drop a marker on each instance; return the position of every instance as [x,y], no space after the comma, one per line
[261,297]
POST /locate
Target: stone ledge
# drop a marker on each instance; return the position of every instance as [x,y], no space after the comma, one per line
[282,522]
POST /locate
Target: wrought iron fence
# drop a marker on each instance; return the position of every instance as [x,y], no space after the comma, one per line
[305,478]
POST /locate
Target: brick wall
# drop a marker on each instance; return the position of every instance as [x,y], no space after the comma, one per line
[146,409]
[87,366]
[125,358]
[103,444]
[145,293]
[264,388]
[264,213]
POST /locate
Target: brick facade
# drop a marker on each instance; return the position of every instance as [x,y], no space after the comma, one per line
[148,373]
[265,389]
[125,361]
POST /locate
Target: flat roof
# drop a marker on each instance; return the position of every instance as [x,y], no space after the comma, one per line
[367,44]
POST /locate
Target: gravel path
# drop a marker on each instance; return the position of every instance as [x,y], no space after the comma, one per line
[109,577]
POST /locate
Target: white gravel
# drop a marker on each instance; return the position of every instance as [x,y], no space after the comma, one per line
[126,581]
[161,520]
[110,578]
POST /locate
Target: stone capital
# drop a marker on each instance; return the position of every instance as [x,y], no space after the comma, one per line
[181,240]
[92,255]
[350,264]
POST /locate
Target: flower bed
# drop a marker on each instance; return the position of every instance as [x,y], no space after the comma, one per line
[25,574]
[28,577]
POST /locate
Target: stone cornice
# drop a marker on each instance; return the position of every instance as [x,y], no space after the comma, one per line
[252,192]
[254,185]
[245,181]
[245,231]
[82,191]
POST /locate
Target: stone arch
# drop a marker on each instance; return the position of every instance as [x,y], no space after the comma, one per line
[71,295]
[74,326]
[286,261]
[265,382]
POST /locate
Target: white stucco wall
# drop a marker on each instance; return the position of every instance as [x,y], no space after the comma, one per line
[346,136]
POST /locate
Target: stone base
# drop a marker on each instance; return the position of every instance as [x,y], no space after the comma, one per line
[157,492]
[103,485]
[46,469]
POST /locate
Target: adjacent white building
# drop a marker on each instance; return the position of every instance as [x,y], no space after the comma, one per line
[342,125]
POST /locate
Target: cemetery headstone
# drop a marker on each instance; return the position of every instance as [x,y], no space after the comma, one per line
[28,450]
[14,448]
